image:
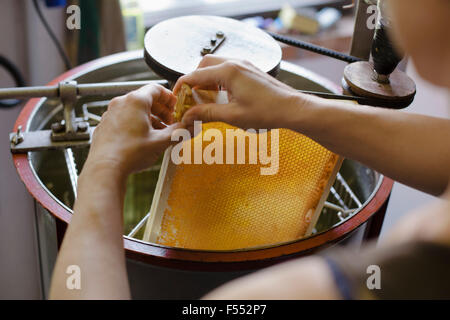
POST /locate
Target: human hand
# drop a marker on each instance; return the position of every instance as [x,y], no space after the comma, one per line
[130,136]
[256,100]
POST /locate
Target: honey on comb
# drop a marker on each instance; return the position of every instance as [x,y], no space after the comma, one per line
[188,97]
[233,206]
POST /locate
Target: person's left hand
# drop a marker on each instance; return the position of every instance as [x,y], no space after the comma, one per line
[130,137]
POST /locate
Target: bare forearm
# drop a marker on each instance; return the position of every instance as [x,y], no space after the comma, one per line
[308,278]
[412,149]
[93,241]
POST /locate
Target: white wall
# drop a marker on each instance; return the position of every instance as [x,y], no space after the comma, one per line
[24,41]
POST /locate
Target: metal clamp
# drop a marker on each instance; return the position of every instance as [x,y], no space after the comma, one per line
[69,129]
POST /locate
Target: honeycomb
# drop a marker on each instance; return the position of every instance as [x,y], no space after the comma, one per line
[232,206]
[188,97]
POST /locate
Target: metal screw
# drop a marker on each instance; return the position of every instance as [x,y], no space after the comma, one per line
[58,127]
[206,50]
[213,41]
[82,126]
[219,34]
[18,137]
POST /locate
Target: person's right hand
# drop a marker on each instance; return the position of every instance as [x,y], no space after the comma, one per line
[256,99]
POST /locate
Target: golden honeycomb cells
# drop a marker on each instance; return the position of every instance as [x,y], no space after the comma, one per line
[234,206]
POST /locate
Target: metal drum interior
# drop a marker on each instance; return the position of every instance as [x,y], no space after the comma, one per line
[352,197]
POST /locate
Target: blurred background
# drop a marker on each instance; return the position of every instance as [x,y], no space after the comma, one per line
[110,26]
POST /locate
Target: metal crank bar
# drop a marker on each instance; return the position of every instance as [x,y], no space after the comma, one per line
[82,89]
